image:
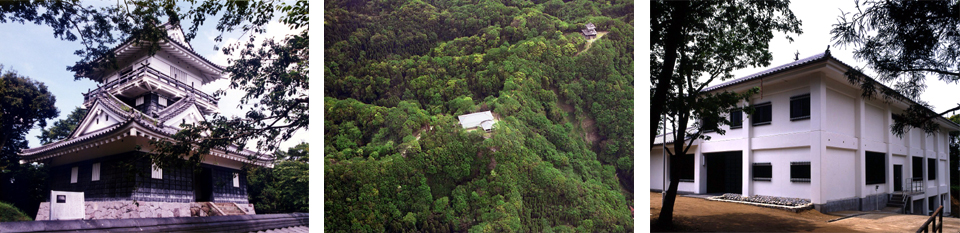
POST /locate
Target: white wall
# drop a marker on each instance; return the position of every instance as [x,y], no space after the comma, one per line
[838,174]
[778,94]
[780,184]
[875,128]
[840,114]
[163,60]
[656,169]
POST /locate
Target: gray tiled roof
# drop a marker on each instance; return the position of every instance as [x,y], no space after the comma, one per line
[771,71]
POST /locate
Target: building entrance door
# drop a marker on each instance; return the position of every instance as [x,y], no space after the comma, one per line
[898,177]
[203,186]
[725,172]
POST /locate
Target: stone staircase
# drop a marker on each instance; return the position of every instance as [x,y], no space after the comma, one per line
[898,200]
[296,229]
[226,209]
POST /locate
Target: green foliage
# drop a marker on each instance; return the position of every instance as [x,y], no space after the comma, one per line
[23,103]
[694,44]
[396,157]
[62,129]
[8,213]
[285,188]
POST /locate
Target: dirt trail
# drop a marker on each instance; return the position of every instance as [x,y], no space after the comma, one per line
[590,42]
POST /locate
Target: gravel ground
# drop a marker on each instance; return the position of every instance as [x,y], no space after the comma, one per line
[694,214]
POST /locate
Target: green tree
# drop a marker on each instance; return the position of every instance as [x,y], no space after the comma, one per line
[285,188]
[693,44]
[23,104]
[904,42]
[62,129]
[714,38]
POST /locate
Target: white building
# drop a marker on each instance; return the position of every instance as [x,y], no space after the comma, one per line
[483,120]
[814,137]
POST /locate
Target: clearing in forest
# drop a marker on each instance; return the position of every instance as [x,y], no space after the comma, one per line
[590,42]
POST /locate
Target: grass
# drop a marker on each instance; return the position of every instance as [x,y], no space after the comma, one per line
[9,213]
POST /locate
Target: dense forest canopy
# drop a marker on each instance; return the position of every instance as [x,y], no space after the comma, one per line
[397,74]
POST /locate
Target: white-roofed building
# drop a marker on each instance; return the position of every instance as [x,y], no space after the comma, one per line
[483,120]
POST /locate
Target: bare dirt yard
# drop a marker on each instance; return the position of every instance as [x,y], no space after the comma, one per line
[695,214]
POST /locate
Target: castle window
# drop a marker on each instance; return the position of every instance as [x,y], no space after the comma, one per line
[139,101]
[763,114]
[95,176]
[236,180]
[157,172]
[163,101]
[178,74]
[73,174]
[800,107]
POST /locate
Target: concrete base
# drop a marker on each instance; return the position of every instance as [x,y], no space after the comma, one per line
[838,205]
[872,202]
[142,209]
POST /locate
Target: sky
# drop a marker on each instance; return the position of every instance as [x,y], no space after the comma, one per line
[32,51]
[818,18]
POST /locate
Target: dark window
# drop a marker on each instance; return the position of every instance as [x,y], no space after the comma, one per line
[917,168]
[736,119]
[800,171]
[931,169]
[709,124]
[762,114]
[685,163]
[875,168]
[762,171]
[800,107]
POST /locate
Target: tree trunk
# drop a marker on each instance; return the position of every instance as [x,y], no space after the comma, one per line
[672,42]
[670,197]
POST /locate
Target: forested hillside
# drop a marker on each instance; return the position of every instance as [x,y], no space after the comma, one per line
[397,73]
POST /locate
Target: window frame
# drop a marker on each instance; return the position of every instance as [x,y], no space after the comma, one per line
[236,180]
[95,173]
[74,174]
[793,173]
[793,115]
[687,165]
[736,122]
[769,114]
[871,167]
[765,166]
[156,172]
[917,168]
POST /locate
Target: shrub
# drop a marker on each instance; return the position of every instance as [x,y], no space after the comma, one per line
[8,213]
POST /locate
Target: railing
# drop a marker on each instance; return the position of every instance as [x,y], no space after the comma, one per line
[160,75]
[913,185]
[937,227]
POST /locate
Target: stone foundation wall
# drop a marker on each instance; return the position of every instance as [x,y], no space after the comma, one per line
[142,209]
[871,202]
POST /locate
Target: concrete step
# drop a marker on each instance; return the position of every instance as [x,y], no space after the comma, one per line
[230,208]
